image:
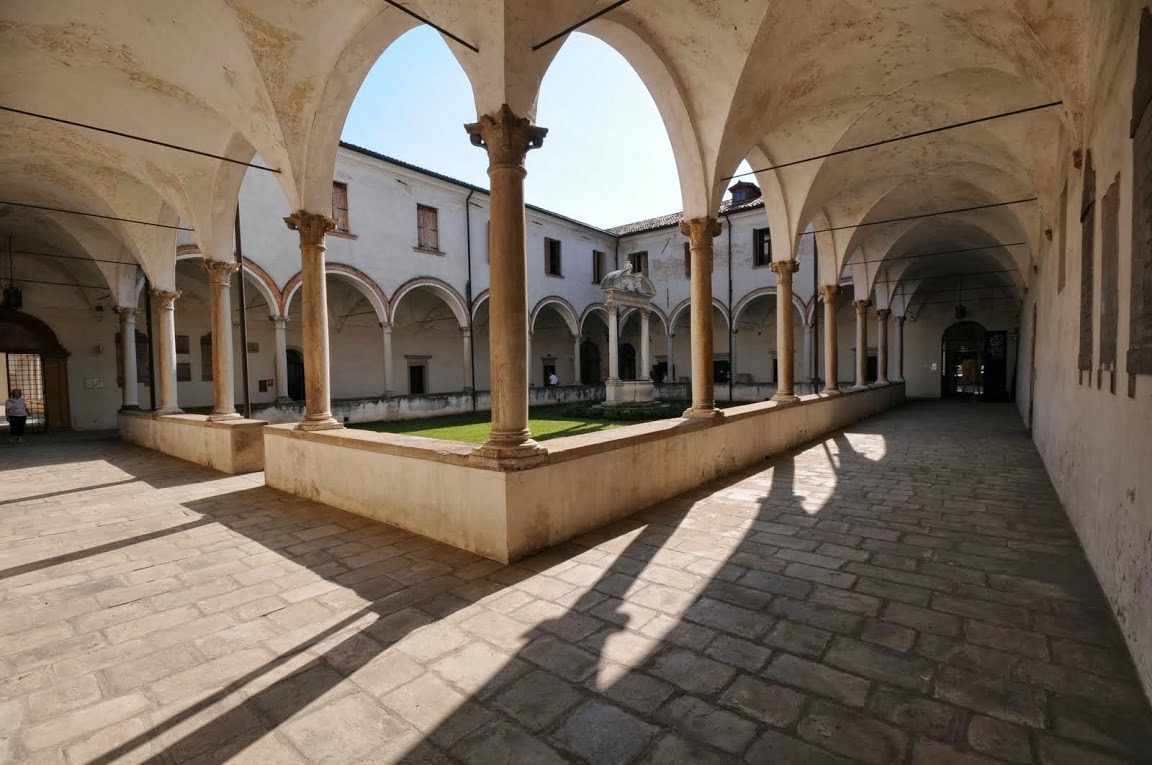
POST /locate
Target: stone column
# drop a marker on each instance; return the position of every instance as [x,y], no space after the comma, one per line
[576,360]
[807,376]
[389,362]
[528,358]
[831,352]
[166,364]
[280,334]
[671,378]
[507,138]
[130,398]
[785,352]
[313,228]
[882,358]
[613,344]
[899,349]
[645,349]
[700,232]
[861,343]
[467,335]
[223,378]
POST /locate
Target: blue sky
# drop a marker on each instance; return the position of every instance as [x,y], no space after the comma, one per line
[606,160]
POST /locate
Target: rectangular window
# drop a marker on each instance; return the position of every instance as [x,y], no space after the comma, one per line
[1140,305]
[1087,251]
[427,228]
[761,247]
[206,357]
[639,261]
[599,263]
[184,371]
[340,206]
[1063,234]
[687,260]
[552,264]
[1109,279]
[182,345]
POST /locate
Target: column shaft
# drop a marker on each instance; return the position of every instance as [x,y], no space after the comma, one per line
[613,343]
[831,358]
[899,349]
[576,360]
[645,348]
[280,335]
[507,139]
[671,376]
[313,228]
[700,233]
[882,357]
[861,343]
[223,382]
[166,363]
[389,362]
[130,398]
[785,352]
[466,333]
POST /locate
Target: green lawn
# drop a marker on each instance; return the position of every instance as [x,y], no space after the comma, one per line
[546,422]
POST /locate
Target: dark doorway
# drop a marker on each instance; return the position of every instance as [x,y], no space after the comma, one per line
[962,373]
[589,363]
[871,367]
[721,371]
[549,370]
[627,362]
[295,375]
[417,382]
[32,359]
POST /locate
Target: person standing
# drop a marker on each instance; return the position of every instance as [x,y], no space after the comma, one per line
[16,410]
[553,379]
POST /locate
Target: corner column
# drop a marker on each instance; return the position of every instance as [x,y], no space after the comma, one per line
[466,333]
[785,352]
[613,342]
[861,343]
[223,382]
[831,353]
[700,233]
[280,335]
[130,397]
[389,363]
[645,348]
[882,357]
[899,350]
[313,228]
[166,368]
[507,139]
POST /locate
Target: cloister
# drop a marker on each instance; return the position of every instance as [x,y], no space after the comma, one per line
[822,571]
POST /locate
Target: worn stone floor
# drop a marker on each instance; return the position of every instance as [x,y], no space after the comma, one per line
[905,591]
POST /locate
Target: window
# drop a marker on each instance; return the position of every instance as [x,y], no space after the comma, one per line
[142,375]
[552,265]
[1063,234]
[184,371]
[1087,248]
[1140,313]
[182,344]
[761,247]
[427,228]
[206,357]
[599,266]
[340,206]
[639,261]
[1109,282]
[687,260]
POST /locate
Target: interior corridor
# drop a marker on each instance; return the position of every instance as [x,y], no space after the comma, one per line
[905,591]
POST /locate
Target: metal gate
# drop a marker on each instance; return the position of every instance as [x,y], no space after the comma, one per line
[26,372]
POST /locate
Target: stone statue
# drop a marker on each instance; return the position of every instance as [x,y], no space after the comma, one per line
[623,280]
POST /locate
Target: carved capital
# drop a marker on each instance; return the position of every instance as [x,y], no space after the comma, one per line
[279,322]
[167,299]
[900,320]
[312,226]
[466,332]
[883,313]
[126,313]
[700,231]
[506,137]
[784,270]
[829,292]
[861,306]
[219,271]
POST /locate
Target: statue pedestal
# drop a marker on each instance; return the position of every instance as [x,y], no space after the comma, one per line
[628,392]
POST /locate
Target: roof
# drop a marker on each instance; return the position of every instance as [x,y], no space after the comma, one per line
[673,219]
[651,224]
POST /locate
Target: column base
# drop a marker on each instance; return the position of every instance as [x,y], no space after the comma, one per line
[785,398]
[130,408]
[494,455]
[327,422]
[861,386]
[166,412]
[224,416]
[711,413]
[881,382]
[830,392]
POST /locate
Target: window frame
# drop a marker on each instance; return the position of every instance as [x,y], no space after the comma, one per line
[340,189]
[599,266]
[553,258]
[423,237]
[760,259]
[639,261]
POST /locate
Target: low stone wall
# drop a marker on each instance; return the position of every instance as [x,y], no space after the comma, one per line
[351,411]
[437,489]
[232,446]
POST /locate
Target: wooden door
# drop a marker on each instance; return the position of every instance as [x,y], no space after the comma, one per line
[56,394]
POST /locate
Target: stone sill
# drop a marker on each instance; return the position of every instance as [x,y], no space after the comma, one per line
[196,420]
[559,450]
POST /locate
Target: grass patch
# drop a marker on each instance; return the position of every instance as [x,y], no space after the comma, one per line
[546,422]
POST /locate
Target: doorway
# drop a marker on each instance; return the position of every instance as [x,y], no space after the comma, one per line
[962,351]
[627,362]
[589,363]
[32,359]
[417,379]
[295,375]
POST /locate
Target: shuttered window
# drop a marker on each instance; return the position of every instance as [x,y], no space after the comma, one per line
[340,206]
[599,261]
[761,247]
[639,261]
[552,262]
[427,228]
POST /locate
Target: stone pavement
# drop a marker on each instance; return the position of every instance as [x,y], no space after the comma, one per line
[905,591]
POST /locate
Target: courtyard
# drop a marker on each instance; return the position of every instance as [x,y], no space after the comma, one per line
[907,589]
[546,423]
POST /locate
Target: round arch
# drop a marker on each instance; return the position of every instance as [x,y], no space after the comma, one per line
[684,305]
[655,310]
[443,290]
[562,307]
[265,284]
[354,276]
[592,308]
[744,302]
